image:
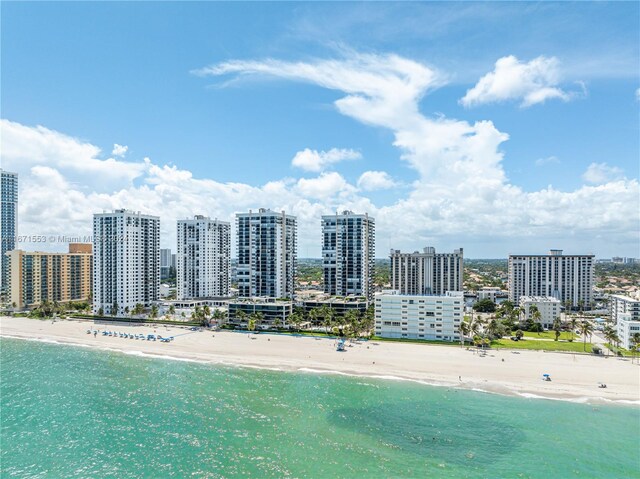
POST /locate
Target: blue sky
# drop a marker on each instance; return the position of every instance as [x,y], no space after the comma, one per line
[92,75]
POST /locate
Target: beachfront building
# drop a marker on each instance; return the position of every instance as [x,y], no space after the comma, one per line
[620,304]
[427,272]
[348,254]
[126,261]
[548,307]
[272,312]
[203,258]
[339,305]
[267,250]
[36,277]
[165,263]
[626,327]
[8,221]
[425,317]
[568,278]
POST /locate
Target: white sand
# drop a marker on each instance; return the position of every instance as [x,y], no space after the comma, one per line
[574,376]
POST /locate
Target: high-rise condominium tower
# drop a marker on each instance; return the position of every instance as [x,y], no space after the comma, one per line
[568,278]
[126,261]
[8,221]
[203,258]
[428,272]
[348,254]
[267,249]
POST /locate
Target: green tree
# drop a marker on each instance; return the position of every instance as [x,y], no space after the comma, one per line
[101,311]
[251,325]
[635,344]
[464,329]
[219,316]
[494,329]
[153,314]
[519,334]
[557,327]
[138,309]
[586,329]
[296,319]
[172,310]
[314,316]
[114,308]
[484,306]
[241,316]
[257,318]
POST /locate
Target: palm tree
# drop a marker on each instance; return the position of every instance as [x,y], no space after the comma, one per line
[218,316]
[138,309]
[493,328]
[314,315]
[557,327]
[101,311]
[251,325]
[586,329]
[172,310]
[114,308]
[464,329]
[241,316]
[154,311]
[536,316]
[295,319]
[635,344]
[609,335]
[257,318]
[327,317]
[573,322]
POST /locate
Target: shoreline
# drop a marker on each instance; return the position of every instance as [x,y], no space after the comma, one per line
[503,372]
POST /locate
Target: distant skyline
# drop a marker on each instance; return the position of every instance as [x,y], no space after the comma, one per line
[496,127]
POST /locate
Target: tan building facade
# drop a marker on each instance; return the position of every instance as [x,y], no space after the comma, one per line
[38,276]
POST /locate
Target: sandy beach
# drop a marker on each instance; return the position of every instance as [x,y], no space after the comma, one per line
[574,377]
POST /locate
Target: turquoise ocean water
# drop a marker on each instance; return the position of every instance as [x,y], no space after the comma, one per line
[71,412]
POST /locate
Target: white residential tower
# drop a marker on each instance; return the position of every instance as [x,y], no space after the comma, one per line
[126,261]
[203,258]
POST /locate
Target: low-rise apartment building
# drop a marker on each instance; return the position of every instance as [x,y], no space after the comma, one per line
[548,307]
[419,317]
[626,327]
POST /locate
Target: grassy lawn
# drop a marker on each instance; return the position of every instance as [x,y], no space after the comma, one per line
[625,352]
[575,346]
[417,341]
[550,335]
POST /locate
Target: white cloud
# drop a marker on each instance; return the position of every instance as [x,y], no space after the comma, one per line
[462,191]
[375,180]
[599,173]
[531,83]
[313,160]
[324,187]
[24,146]
[549,160]
[461,195]
[638,94]
[119,150]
